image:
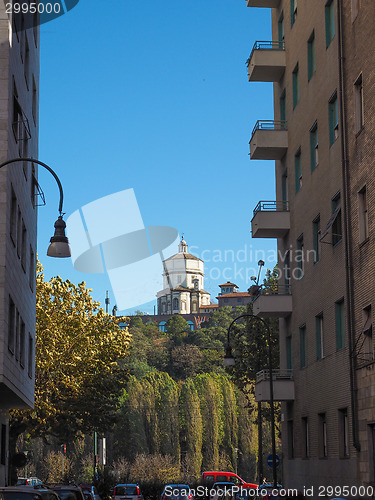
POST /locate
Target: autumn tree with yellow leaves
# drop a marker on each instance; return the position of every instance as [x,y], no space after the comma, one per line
[78,378]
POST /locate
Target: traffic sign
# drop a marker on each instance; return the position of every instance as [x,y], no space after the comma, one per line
[269,461]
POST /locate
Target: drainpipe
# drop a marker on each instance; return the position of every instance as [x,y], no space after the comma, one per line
[347,241]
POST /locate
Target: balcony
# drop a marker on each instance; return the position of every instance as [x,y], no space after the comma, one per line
[283,385]
[272,4]
[269,140]
[273,303]
[266,62]
[271,219]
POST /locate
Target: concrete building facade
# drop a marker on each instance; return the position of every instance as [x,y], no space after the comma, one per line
[19,83]
[321,141]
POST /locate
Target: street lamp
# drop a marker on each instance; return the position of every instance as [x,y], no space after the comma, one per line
[59,246]
[230,361]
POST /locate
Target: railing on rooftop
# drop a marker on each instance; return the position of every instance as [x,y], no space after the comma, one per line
[271,206]
[269,125]
[261,45]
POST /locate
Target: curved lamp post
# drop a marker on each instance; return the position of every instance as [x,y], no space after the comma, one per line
[230,361]
[59,246]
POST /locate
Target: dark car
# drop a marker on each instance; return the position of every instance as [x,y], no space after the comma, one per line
[176,492]
[222,491]
[67,492]
[90,492]
[19,493]
[47,493]
[127,492]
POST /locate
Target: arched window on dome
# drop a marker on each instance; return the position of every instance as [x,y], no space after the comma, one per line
[175,304]
[162,325]
[191,325]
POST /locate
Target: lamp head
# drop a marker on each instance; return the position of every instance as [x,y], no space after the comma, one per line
[253,278]
[59,246]
[228,358]
[261,263]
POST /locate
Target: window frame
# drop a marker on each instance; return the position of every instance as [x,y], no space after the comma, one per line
[311,56]
[296,86]
[340,324]
[330,22]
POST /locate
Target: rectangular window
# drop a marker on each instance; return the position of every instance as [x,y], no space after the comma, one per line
[23,246]
[17,335]
[290,439]
[316,238]
[282,107]
[280,28]
[22,344]
[336,225]
[367,348]
[343,433]
[11,325]
[302,346]
[295,86]
[305,437]
[27,64]
[333,119]
[358,104]
[298,170]
[330,21]
[34,101]
[293,11]
[30,357]
[300,257]
[289,363]
[19,232]
[311,65]
[363,214]
[314,147]
[323,448]
[284,190]
[340,324]
[13,218]
[32,275]
[319,336]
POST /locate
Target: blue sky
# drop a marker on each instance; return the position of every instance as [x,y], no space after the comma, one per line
[153,95]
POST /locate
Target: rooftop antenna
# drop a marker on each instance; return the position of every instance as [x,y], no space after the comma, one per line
[106,301]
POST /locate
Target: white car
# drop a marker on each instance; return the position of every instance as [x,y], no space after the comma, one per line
[127,492]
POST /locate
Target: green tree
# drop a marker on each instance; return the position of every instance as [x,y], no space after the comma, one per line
[191,429]
[78,379]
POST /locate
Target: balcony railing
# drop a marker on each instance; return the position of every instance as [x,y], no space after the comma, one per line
[267,61]
[271,45]
[271,219]
[271,206]
[269,125]
[276,303]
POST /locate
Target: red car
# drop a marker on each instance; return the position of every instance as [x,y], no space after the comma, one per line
[211,477]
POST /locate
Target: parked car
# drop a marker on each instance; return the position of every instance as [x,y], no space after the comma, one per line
[47,493]
[28,481]
[90,492]
[222,491]
[68,492]
[127,492]
[211,477]
[176,492]
[269,492]
[19,493]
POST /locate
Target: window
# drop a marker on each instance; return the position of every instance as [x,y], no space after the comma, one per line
[23,246]
[300,257]
[162,325]
[336,224]
[343,433]
[30,357]
[27,64]
[280,26]
[358,104]
[295,86]
[330,21]
[298,170]
[367,348]
[17,335]
[314,147]
[290,439]
[323,450]
[356,5]
[32,275]
[316,238]
[311,66]
[34,100]
[302,346]
[289,363]
[319,336]
[305,437]
[19,232]
[282,106]
[340,324]
[333,119]
[13,218]
[3,444]
[363,215]
[293,11]
[22,344]
[11,325]
[284,190]
[175,304]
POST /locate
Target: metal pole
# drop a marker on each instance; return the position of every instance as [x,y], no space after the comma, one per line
[32,160]
[260,444]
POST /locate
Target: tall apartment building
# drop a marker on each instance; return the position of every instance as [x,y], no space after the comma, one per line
[321,139]
[19,82]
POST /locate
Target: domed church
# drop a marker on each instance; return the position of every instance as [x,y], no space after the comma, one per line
[183,282]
